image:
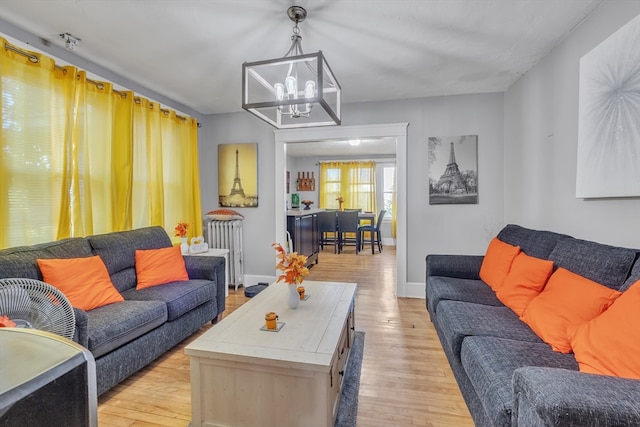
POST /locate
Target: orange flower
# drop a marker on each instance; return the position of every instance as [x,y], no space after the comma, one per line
[292,265]
[340,199]
[181,229]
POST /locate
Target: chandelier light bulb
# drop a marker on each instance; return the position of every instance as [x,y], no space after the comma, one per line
[310,89]
[292,86]
[279,87]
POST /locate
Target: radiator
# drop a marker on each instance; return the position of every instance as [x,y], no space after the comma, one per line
[228,235]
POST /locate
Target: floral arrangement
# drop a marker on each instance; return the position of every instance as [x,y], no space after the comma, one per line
[181,229]
[340,199]
[307,202]
[292,265]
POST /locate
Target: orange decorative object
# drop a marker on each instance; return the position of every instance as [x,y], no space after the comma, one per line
[301,291]
[181,229]
[5,322]
[270,320]
[292,265]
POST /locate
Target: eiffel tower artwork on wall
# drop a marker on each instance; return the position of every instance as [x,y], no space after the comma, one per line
[238,175]
[453,170]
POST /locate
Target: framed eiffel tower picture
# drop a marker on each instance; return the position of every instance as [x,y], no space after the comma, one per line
[238,175]
[453,170]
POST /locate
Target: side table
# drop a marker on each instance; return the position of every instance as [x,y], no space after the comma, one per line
[223,253]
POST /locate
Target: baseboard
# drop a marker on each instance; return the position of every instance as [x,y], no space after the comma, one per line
[388,241]
[415,290]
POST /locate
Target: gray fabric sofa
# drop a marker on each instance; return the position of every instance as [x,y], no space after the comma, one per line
[507,375]
[126,336]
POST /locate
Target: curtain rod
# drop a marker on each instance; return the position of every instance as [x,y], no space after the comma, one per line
[99,85]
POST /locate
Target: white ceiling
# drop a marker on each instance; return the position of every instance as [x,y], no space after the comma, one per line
[191,51]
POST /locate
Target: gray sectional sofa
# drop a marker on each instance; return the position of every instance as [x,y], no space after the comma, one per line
[126,336]
[507,375]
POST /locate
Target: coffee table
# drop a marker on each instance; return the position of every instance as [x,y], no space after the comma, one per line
[244,376]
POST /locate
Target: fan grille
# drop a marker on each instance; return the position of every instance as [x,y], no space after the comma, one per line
[38,305]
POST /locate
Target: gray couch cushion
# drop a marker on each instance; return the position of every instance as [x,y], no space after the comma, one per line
[114,325]
[534,243]
[21,261]
[607,265]
[118,251]
[459,320]
[454,289]
[180,297]
[561,397]
[490,363]
[634,276]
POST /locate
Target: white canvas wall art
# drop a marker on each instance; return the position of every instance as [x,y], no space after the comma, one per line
[609,117]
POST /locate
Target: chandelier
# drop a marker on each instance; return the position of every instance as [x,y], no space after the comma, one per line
[297,90]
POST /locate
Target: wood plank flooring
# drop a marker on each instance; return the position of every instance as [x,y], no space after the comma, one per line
[405,380]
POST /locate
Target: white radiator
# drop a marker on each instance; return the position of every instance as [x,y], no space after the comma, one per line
[228,235]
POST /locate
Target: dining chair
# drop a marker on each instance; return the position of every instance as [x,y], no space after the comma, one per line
[348,230]
[328,229]
[375,229]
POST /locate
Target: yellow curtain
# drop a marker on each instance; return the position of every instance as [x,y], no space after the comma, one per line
[78,157]
[180,174]
[30,150]
[353,181]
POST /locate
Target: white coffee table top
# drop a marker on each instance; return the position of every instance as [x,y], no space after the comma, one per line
[308,339]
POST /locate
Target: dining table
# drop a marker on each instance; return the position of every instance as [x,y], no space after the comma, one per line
[370,217]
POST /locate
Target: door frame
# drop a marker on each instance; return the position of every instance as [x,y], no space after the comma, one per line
[397,131]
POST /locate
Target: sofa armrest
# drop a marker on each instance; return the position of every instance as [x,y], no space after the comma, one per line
[560,397]
[209,268]
[81,335]
[460,266]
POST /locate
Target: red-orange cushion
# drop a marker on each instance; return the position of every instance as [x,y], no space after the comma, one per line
[525,281]
[159,266]
[497,262]
[568,299]
[84,281]
[610,343]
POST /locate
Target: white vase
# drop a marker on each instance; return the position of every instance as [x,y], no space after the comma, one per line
[293,299]
[184,246]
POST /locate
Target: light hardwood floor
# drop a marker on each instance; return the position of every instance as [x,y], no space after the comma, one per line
[405,380]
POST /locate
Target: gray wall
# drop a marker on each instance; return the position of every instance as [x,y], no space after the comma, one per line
[541,139]
[431,229]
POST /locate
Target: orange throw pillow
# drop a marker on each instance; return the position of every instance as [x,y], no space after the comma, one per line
[84,281]
[159,266]
[568,299]
[610,343]
[525,281]
[497,262]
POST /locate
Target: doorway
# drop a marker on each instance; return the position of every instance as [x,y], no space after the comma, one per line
[396,131]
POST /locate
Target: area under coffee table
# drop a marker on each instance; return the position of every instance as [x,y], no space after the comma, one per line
[244,376]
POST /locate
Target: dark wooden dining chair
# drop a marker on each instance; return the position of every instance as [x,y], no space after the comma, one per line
[328,229]
[375,229]
[348,230]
